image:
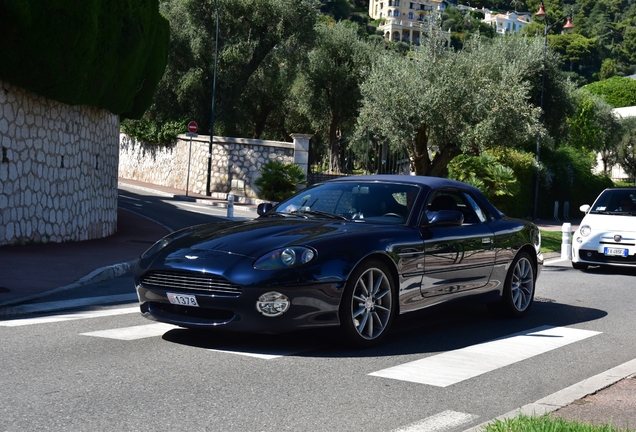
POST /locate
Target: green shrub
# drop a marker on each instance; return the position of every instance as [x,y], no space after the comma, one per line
[618,91]
[149,132]
[104,54]
[567,176]
[279,180]
[502,175]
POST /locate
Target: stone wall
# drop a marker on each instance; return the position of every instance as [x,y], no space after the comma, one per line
[58,170]
[236,162]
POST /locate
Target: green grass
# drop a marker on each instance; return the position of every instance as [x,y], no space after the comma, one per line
[551,241]
[546,423]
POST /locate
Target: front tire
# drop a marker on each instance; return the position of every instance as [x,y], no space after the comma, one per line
[579,266]
[369,305]
[518,293]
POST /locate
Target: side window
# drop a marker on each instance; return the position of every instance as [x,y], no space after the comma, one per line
[457,201]
[441,201]
[481,215]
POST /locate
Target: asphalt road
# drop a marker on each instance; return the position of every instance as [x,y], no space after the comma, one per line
[122,372]
[107,368]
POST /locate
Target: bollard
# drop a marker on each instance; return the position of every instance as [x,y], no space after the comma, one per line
[566,241]
[556,211]
[230,205]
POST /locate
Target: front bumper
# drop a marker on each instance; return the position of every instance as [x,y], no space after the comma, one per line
[314,305]
[593,249]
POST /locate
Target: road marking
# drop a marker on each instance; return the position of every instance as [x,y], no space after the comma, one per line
[451,367]
[265,354]
[555,261]
[69,317]
[439,422]
[73,303]
[134,332]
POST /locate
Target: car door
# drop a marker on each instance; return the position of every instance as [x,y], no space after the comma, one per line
[457,258]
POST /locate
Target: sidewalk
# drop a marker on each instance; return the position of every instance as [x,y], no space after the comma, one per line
[31,271]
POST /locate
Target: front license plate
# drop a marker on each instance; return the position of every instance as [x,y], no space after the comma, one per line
[615,252]
[182,299]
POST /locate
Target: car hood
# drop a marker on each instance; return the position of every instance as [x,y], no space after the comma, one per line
[255,237]
[603,222]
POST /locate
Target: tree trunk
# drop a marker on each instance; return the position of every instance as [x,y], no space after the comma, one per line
[439,165]
[334,148]
[421,161]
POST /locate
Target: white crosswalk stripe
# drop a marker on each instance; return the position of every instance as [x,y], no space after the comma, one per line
[134,332]
[451,367]
[69,317]
[439,422]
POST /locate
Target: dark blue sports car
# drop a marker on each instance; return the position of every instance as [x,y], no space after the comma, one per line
[355,252]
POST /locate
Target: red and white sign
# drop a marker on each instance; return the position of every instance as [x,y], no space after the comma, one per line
[193,127]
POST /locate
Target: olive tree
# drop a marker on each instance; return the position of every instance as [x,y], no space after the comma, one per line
[438,103]
[594,127]
[328,87]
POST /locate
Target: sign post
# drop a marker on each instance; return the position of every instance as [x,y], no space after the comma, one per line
[192,132]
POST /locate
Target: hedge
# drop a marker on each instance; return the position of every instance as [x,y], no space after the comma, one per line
[105,53]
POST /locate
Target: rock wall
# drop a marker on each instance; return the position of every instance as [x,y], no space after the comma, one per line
[236,162]
[58,169]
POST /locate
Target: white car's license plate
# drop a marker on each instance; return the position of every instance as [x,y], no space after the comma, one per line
[615,252]
[182,299]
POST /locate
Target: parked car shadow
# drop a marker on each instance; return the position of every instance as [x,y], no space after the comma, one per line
[433,330]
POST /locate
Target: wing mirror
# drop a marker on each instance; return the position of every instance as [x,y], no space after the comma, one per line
[264,208]
[585,208]
[447,217]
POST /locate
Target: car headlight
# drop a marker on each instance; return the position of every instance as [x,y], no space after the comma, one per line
[155,248]
[585,230]
[284,258]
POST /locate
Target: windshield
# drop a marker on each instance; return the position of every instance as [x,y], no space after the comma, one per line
[615,201]
[365,201]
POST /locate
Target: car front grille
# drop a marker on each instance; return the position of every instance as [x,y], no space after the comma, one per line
[190,281]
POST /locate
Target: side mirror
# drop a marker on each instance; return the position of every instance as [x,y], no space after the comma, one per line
[585,208]
[447,217]
[264,208]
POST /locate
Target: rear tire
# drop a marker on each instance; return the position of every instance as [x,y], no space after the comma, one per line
[519,287]
[368,305]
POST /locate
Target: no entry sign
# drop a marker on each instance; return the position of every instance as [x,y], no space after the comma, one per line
[193,127]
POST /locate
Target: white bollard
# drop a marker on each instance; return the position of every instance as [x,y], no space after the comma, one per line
[566,241]
[230,205]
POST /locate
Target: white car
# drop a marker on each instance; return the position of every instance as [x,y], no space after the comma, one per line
[607,233]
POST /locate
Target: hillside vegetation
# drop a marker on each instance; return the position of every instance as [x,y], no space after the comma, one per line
[109,54]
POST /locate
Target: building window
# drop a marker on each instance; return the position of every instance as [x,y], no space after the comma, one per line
[421,17]
[410,15]
[390,2]
[396,13]
[411,6]
[397,2]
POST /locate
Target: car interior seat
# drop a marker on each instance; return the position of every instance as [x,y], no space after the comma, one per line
[443,202]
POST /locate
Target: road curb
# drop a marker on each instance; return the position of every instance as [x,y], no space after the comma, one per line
[98,275]
[568,395]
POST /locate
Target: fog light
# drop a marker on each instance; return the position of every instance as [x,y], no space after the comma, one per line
[579,240]
[272,304]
